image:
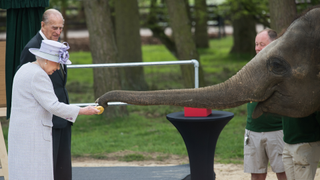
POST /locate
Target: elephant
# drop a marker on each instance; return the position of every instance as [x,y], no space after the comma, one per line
[284,78]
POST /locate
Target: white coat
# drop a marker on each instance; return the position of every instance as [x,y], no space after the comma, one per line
[30,140]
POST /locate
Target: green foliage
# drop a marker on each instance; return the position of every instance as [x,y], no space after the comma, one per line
[154,111]
[237,8]
[64,3]
[82,75]
[218,64]
[156,53]
[161,77]
[133,157]
[93,135]
[304,5]
[80,81]
[60,4]
[229,148]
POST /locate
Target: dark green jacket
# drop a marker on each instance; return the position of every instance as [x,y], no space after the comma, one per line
[264,123]
[301,130]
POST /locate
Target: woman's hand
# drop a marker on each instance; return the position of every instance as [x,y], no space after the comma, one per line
[89,110]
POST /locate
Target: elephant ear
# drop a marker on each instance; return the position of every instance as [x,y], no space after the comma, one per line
[312,17]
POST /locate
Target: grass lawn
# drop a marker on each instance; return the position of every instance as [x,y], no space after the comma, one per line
[146,129]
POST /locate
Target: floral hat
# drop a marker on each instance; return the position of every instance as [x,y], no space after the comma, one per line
[53,51]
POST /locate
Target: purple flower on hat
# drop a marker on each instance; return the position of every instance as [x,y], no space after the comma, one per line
[63,54]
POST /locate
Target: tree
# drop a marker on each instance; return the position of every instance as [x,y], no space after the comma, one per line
[183,38]
[282,13]
[157,14]
[244,32]
[201,18]
[103,50]
[129,43]
[188,9]
[244,16]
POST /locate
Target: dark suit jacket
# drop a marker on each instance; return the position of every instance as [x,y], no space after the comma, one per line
[59,83]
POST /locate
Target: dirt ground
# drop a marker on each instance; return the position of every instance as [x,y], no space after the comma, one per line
[223,171]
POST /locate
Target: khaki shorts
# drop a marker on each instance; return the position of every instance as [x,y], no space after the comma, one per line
[261,148]
[301,160]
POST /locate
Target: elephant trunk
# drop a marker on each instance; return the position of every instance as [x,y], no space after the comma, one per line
[236,91]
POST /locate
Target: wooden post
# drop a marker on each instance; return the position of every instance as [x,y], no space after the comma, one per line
[3,112]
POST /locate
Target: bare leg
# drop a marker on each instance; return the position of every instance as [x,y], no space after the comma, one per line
[261,176]
[281,176]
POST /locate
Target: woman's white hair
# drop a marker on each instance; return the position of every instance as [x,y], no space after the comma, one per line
[39,58]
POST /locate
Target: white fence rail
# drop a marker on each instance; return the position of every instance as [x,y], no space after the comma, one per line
[134,64]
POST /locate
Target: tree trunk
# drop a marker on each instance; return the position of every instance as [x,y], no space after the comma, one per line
[129,44]
[201,18]
[244,32]
[103,50]
[189,13]
[64,7]
[282,13]
[157,30]
[183,38]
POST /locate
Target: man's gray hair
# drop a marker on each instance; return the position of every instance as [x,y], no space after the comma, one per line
[46,15]
[271,33]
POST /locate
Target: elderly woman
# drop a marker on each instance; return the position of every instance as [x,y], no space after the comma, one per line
[33,105]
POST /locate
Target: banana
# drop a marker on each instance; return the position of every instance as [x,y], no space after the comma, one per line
[100,108]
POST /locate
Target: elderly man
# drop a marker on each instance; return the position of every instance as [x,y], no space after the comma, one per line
[51,27]
[263,136]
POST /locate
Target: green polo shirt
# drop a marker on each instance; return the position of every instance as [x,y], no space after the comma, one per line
[301,130]
[264,123]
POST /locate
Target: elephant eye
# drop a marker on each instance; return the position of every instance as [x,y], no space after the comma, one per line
[277,66]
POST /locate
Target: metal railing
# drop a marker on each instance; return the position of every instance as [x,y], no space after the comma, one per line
[134,64]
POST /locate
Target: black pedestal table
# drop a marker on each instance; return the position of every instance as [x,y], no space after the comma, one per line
[200,135]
